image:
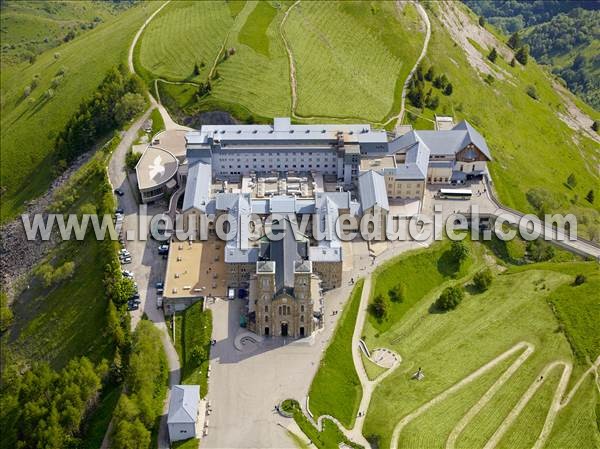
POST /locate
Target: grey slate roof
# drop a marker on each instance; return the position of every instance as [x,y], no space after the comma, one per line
[371,188]
[474,137]
[183,405]
[284,252]
[197,187]
[442,142]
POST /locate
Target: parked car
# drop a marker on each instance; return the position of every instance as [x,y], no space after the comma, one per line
[159,285]
[135,296]
[163,248]
[126,260]
[123,252]
[159,302]
[119,210]
[127,273]
[119,192]
[132,306]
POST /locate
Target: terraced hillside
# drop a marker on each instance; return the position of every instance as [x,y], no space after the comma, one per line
[350,58]
[39,98]
[450,347]
[512,366]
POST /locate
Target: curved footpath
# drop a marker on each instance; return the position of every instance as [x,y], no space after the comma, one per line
[398,118]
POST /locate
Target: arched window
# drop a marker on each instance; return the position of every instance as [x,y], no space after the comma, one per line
[302,318]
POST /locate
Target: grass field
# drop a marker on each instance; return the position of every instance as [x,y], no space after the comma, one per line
[29,125]
[426,270]
[348,59]
[254,83]
[31,27]
[182,34]
[193,328]
[67,319]
[450,346]
[336,377]
[531,145]
[372,369]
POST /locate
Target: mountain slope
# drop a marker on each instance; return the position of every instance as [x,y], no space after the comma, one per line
[39,98]
[536,143]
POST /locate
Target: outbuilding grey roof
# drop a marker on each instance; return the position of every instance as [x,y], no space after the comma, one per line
[372,191]
[183,405]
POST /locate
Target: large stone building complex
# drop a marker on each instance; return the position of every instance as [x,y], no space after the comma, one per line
[313,173]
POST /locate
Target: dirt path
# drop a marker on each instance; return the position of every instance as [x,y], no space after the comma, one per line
[559,400]
[293,83]
[398,118]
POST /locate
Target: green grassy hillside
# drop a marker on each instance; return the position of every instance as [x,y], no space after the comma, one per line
[341,50]
[533,148]
[30,27]
[56,83]
[536,303]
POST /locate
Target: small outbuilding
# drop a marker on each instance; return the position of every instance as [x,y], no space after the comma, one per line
[184,413]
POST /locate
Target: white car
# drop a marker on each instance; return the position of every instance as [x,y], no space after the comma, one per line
[159,302]
[127,273]
[126,260]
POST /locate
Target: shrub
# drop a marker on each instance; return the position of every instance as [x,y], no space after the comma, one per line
[514,41]
[27,91]
[580,279]
[522,54]
[459,251]
[572,180]
[532,92]
[450,298]
[481,21]
[398,292]
[483,279]
[590,197]
[131,159]
[493,55]
[430,74]
[448,90]
[596,125]
[379,307]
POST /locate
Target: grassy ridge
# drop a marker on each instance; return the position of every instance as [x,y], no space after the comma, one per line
[29,125]
[336,377]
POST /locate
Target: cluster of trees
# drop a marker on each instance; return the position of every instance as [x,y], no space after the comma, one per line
[513,15]
[146,386]
[380,305]
[118,98]
[521,49]
[54,404]
[417,93]
[562,39]
[540,250]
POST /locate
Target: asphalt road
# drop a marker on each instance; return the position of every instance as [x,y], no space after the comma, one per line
[147,266]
